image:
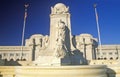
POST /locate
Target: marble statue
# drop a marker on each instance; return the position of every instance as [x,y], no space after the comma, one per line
[60,48]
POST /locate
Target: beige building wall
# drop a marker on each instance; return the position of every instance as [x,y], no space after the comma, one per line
[108,52]
[11,54]
[86,44]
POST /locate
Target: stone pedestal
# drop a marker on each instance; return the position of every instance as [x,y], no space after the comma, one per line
[47,61]
[51,61]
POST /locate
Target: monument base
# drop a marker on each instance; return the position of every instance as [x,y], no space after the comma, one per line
[51,61]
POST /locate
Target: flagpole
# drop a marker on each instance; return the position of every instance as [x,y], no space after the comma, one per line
[23,31]
[98,28]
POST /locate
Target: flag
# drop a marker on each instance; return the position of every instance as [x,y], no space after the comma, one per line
[96,12]
[25,16]
[98,29]
[96,16]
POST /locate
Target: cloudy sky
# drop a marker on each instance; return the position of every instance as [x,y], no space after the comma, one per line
[82,19]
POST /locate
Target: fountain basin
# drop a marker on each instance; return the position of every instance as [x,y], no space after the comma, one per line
[61,71]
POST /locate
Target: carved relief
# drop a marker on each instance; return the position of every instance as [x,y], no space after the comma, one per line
[59,9]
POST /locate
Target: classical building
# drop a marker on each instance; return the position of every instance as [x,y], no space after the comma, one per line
[59,45]
[60,53]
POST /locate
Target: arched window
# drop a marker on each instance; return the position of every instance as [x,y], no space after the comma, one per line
[11,60]
[17,59]
[105,58]
[24,59]
[98,58]
[116,58]
[111,58]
